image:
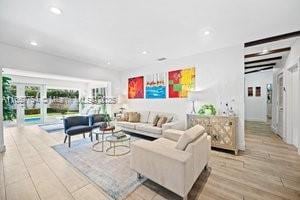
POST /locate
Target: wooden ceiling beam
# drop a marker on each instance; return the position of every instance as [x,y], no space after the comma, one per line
[263,60]
[259,70]
[257,66]
[268,53]
[273,39]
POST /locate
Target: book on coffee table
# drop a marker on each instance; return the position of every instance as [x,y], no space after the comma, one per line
[120,135]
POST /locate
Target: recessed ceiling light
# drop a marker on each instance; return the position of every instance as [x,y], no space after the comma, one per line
[55,10]
[206,32]
[264,51]
[144,52]
[108,63]
[33,43]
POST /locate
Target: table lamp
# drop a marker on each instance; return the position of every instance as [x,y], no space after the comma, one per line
[193,96]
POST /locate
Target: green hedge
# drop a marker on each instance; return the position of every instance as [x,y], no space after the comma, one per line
[49,110]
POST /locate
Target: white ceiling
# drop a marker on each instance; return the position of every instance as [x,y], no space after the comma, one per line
[101,31]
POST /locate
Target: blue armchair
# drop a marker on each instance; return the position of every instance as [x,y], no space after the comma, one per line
[99,120]
[76,125]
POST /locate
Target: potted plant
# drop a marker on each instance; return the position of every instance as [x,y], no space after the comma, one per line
[207,109]
[8,110]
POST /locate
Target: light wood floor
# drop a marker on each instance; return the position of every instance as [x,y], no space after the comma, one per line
[268,169]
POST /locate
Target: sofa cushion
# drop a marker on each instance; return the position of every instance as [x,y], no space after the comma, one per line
[161,121]
[189,136]
[125,116]
[153,114]
[78,129]
[144,116]
[148,128]
[134,117]
[165,142]
[155,120]
[126,124]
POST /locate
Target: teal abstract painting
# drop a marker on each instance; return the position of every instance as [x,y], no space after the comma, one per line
[156,86]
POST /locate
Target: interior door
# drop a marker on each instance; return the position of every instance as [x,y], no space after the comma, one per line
[280,105]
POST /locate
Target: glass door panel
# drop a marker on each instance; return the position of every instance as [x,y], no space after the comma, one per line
[32,107]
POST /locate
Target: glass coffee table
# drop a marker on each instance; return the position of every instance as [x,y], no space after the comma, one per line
[118,146]
[101,132]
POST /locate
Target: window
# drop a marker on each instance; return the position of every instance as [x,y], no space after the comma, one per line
[98,92]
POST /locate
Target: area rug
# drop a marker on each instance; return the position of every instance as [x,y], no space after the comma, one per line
[111,173]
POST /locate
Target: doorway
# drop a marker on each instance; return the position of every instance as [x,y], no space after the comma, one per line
[28,104]
[280,89]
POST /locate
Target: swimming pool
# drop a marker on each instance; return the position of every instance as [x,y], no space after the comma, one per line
[32,120]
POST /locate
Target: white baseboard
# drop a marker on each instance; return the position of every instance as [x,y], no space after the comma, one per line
[2,149]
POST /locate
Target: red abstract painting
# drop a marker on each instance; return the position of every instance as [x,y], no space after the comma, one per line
[136,88]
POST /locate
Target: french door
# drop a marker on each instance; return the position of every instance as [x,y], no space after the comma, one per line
[29,104]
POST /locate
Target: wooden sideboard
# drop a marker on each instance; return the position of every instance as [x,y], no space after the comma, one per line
[222,130]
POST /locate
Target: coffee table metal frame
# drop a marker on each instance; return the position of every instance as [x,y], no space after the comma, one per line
[112,145]
[102,132]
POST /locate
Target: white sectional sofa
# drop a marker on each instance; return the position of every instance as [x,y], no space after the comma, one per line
[145,126]
[162,162]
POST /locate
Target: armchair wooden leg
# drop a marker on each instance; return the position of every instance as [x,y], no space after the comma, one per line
[69,141]
[91,135]
[65,139]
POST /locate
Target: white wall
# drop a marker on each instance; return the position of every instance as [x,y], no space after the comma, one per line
[220,73]
[28,60]
[256,107]
[291,116]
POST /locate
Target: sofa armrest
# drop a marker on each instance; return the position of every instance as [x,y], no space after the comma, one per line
[169,167]
[172,134]
[179,125]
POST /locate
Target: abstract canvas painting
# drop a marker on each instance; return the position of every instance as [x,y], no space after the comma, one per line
[136,88]
[181,82]
[156,86]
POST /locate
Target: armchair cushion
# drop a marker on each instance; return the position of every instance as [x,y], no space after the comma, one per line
[172,134]
[78,129]
[189,136]
[166,142]
[75,121]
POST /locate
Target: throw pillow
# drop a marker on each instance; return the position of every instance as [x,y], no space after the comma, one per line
[161,121]
[125,116]
[189,136]
[155,120]
[134,117]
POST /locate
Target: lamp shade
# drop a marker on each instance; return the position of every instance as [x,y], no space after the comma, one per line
[194,95]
